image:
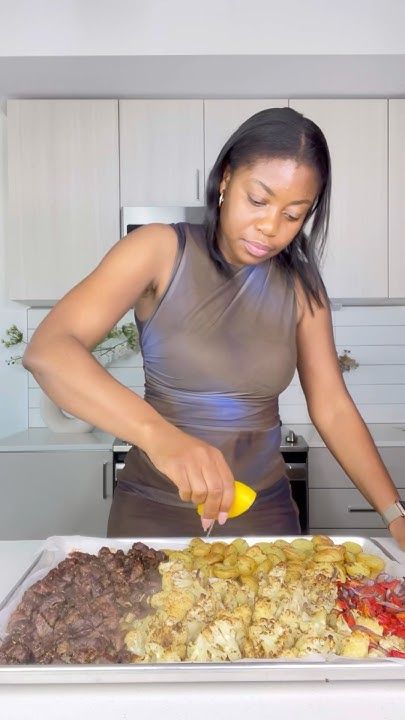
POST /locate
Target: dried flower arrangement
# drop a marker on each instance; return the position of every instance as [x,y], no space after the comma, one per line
[347,363]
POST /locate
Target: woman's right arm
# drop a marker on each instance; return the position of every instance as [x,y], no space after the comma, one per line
[59,356]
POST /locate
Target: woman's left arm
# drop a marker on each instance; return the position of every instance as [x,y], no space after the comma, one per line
[335,415]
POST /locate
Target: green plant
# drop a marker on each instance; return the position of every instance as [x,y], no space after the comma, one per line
[120,341]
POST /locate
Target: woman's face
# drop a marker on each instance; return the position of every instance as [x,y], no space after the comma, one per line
[263,209]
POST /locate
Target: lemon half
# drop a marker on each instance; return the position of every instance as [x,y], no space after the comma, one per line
[243,499]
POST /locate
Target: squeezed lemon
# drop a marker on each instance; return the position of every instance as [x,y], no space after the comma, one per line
[243,499]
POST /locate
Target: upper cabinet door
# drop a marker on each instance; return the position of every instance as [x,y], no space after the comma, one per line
[161,152]
[356,253]
[396,198]
[223,117]
[63,193]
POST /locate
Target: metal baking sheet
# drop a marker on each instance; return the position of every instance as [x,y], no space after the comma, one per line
[305,670]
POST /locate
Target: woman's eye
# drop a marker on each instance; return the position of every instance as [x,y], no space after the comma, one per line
[292,218]
[256,202]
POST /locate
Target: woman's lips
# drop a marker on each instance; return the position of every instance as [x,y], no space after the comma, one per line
[256,249]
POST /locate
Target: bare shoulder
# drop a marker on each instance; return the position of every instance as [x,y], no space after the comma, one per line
[154,244]
[138,263]
[302,303]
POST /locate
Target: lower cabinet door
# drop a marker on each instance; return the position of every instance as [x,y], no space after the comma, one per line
[351,532]
[54,493]
[332,508]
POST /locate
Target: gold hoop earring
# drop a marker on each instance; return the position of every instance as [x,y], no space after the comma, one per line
[221,198]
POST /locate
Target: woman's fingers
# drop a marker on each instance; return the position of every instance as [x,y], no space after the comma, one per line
[220,490]
[229,488]
[197,484]
[183,485]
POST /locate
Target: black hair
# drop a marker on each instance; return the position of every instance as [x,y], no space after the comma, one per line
[287,134]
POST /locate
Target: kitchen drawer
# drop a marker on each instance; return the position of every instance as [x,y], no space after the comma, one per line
[345,532]
[325,472]
[341,509]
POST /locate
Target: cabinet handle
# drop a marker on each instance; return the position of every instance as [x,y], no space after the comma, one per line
[361,509]
[198,184]
[105,465]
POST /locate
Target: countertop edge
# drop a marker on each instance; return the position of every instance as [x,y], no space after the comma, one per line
[44,440]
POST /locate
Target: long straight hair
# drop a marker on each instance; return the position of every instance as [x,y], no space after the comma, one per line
[281,133]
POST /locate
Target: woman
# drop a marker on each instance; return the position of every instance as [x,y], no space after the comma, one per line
[225,312]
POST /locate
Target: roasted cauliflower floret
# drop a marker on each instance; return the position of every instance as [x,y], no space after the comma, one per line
[356,645]
[320,592]
[316,623]
[267,639]
[243,613]
[201,614]
[341,626]
[307,644]
[158,653]
[175,575]
[136,639]
[270,587]
[232,593]
[220,640]
[288,618]
[264,609]
[173,605]
[151,640]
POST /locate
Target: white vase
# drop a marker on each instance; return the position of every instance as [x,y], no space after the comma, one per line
[57,421]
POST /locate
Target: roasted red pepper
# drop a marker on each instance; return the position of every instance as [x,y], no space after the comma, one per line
[370,600]
[396,653]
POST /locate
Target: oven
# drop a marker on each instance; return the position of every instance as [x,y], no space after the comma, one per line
[133,217]
[294,450]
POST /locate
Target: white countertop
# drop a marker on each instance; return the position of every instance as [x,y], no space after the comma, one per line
[191,701]
[42,439]
[384,434]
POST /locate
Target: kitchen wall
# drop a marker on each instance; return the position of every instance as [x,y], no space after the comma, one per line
[13,381]
[135,27]
[375,337]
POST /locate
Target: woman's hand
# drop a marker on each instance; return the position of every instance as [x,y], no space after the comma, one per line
[199,471]
[397,530]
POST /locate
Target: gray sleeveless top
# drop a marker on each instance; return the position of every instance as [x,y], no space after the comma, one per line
[217,353]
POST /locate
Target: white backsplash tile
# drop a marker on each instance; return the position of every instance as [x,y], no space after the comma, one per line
[370,315]
[370,335]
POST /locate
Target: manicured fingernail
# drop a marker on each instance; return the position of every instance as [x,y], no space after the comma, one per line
[206,523]
[222,518]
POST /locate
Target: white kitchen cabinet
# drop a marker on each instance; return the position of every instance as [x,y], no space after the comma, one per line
[54,493]
[335,503]
[223,117]
[356,261]
[161,152]
[63,193]
[341,508]
[396,206]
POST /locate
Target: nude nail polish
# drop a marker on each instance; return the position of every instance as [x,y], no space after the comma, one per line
[206,523]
